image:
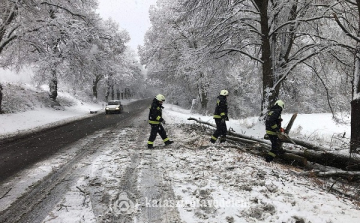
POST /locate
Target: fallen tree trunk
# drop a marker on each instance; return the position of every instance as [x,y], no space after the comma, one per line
[308,145]
[313,153]
[262,149]
[329,159]
[339,173]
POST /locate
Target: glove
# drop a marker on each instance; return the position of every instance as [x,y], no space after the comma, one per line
[223,120]
[163,122]
[282,130]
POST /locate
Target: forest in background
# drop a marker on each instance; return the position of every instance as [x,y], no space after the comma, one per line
[304,52]
[302,55]
[68,46]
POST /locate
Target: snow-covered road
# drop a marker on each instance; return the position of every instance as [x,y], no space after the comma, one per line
[112,177]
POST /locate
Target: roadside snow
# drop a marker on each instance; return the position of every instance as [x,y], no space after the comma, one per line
[39,118]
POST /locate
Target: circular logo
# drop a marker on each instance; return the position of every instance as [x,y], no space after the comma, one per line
[122,205]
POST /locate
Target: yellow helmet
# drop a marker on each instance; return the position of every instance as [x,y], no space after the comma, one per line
[224,92]
[160,97]
[280,103]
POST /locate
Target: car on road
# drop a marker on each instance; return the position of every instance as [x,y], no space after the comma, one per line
[114,106]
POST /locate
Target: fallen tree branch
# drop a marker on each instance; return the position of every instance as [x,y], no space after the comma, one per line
[338,173]
[308,145]
[61,206]
[82,191]
[261,150]
[4,195]
[231,133]
[85,195]
[312,153]
[239,139]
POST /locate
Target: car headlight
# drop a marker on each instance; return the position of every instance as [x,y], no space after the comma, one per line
[107,108]
[117,108]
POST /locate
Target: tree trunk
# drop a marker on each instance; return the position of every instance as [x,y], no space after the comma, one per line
[355,126]
[202,88]
[1,95]
[107,93]
[319,156]
[204,100]
[94,88]
[355,103]
[269,94]
[112,92]
[118,94]
[53,85]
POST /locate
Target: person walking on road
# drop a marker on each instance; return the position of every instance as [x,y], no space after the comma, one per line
[221,116]
[273,128]
[156,121]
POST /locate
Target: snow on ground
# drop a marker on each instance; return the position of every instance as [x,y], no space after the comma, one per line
[210,183]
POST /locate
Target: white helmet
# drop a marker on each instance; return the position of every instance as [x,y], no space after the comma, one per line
[224,92]
[160,97]
[280,103]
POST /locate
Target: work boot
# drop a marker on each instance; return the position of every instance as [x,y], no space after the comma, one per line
[222,140]
[281,151]
[150,146]
[269,158]
[212,140]
[169,142]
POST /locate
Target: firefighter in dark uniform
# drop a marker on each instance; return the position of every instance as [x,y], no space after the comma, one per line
[220,116]
[273,128]
[155,120]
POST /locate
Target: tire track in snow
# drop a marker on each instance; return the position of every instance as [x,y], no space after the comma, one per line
[34,205]
[155,188]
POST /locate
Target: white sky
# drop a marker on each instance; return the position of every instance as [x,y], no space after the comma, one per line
[131,15]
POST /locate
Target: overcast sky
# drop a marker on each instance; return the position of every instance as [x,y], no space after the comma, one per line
[132,15]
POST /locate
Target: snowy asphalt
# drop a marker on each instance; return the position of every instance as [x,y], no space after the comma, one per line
[18,153]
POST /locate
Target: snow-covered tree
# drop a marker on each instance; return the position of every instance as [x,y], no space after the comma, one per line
[172,54]
[347,16]
[212,44]
[43,32]
[278,36]
[61,36]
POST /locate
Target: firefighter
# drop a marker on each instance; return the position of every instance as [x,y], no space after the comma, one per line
[273,128]
[220,116]
[155,120]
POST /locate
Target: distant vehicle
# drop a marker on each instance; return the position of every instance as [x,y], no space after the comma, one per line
[114,106]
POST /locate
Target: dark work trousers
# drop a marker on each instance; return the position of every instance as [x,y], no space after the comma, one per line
[221,129]
[275,144]
[157,129]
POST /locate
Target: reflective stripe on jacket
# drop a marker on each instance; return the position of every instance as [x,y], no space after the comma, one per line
[221,109]
[155,113]
[273,120]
